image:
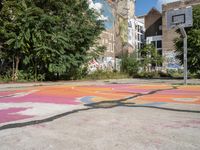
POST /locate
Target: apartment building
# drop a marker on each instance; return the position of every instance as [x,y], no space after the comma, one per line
[107,39]
[156,31]
[153,32]
[136,29]
[139,33]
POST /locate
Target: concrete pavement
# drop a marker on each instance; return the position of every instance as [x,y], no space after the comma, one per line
[11,86]
[100,115]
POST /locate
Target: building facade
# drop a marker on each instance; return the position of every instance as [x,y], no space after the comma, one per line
[156,32]
[153,32]
[116,14]
[139,32]
[136,30]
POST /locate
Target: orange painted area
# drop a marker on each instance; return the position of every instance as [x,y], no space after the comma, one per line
[68,95]
[164,93]
[153,87]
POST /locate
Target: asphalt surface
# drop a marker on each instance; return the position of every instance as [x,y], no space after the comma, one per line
[114,114]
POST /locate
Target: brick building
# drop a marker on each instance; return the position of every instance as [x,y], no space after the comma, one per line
[107,39]
[156,32]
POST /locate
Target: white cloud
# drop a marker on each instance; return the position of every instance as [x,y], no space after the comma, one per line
[161,2]
[98,7]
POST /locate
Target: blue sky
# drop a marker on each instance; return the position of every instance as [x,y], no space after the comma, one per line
[107,11]
[143,6]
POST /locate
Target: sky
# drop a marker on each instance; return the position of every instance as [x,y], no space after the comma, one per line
[143,6]
[105,9]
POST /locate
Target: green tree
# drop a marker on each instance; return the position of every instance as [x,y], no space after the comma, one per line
[193,44]
[130,64]
[48,37]
[150,59]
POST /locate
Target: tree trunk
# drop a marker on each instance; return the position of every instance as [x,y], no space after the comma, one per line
[13,67]
[16,68]
[35,71]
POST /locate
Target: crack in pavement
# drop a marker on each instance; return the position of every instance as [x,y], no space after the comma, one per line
[98,105]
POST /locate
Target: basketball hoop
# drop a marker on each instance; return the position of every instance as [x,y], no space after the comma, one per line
[181,18]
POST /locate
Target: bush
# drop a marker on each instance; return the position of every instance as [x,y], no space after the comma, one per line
[5,78]
[164,74]
[29,76]
[148,75]
[22,77]
[104,74]
[175,73]
[130,65]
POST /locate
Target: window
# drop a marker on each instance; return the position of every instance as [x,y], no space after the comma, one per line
[138,46]
[141,37]
[160,52]
[136,27]
[141,29]
[160,27]
[106,41]
[159,44]
[110,37]
[153,43]
[129,24]
[103,42]
[110,47]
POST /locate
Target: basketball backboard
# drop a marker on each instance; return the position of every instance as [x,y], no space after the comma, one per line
[183,17]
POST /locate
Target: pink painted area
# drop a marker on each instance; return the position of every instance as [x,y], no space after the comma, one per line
[8,115]
[70,100]
[6,93]
[184,124]
[182,92]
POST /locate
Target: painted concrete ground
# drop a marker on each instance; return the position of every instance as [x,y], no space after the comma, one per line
[43,102]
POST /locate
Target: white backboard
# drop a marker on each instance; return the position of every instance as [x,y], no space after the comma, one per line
[183,17]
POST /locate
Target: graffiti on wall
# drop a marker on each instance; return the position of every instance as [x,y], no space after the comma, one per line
[172,62]
[104,63]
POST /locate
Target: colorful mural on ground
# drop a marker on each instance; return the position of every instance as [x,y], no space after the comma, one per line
[42,102]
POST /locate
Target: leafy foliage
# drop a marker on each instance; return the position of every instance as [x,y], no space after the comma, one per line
[150,59]
[49,38]
[193,44]
[105,74]
[130,65]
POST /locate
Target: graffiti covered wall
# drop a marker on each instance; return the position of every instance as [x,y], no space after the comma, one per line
[171,61]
